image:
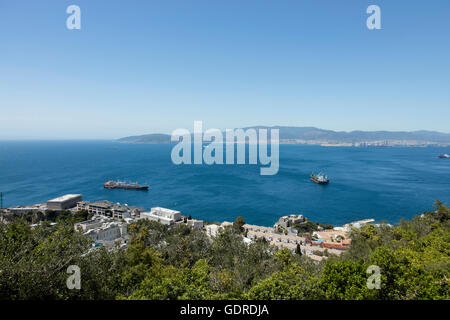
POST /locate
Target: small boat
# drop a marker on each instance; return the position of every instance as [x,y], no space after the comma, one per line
[444,156]
[124,185]
[319,178]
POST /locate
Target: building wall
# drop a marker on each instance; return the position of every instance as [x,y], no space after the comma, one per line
[110,233]
[157,218]
[212,230]
[195,223]
[63,204]
[168,213]
[88,226]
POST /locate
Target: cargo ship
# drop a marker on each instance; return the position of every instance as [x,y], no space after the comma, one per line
[444,156]
[110,184]
[319,178]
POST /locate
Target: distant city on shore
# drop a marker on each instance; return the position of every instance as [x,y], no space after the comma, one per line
[316,136]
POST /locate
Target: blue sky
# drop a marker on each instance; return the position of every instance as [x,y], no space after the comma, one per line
[137,67]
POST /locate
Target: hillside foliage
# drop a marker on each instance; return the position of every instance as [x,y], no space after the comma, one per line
[184,263]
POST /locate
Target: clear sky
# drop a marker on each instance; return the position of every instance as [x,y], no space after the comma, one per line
[139,67]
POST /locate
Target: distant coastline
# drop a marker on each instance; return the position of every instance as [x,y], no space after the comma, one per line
[329,138]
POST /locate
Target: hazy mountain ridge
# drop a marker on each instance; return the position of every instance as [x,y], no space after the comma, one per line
[312,134]
[147,138]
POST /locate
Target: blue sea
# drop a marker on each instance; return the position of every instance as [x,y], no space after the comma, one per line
[386,184]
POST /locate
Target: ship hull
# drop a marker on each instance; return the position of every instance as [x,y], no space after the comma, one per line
[319,182]
[127,187]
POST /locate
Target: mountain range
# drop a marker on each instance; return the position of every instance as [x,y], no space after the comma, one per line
[312,135]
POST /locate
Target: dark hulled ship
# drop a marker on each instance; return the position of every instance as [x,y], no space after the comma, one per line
[110,184]
[319,178]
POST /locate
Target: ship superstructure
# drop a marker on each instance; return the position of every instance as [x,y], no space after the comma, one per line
[319,178]
[110,184]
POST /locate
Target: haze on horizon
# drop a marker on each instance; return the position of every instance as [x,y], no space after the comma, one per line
[152,67]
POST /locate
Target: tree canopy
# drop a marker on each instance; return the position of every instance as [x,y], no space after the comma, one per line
[179,262]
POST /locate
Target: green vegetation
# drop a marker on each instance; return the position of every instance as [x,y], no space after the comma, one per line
[306,228]
[51,216]
[183,263]
[238,224]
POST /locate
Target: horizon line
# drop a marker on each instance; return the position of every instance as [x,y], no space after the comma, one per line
[245,127]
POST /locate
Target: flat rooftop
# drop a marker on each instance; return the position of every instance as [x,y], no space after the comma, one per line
[65,198]
[157,217]
[101,205]
[164,210]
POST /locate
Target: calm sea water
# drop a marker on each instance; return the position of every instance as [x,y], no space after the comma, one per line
[381,183]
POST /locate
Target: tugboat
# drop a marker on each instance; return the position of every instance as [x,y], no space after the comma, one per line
[123,185]
[319,178]
[444,156]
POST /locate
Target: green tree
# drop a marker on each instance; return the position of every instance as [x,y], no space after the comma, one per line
[238,224]
[298,251]
[294,282]
[345,280]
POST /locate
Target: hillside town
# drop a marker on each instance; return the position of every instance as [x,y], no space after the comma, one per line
[108,226]
[366,143]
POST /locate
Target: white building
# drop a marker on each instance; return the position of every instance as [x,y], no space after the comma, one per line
[194,223]
[356,224]
[212,230]
[95,222]
[64,202]
[330,235]
[162,215]
[26,209]
[101,229]
[226,224]
[108,232]
[287,221]
[108,208]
